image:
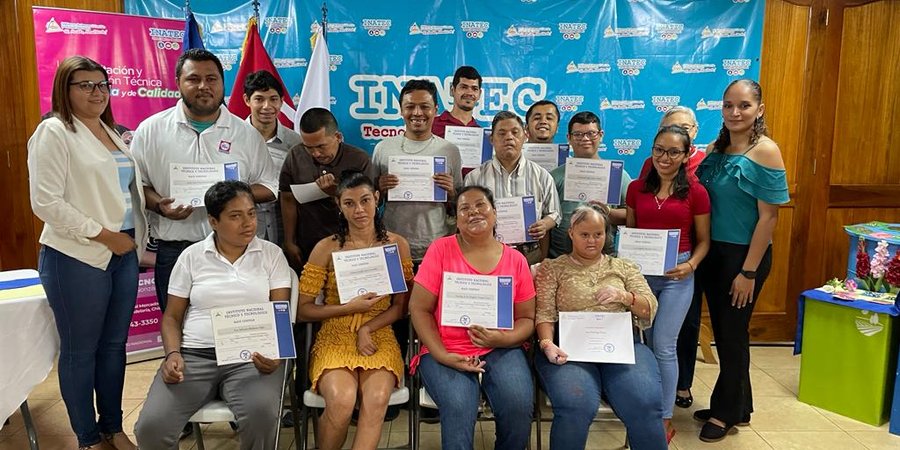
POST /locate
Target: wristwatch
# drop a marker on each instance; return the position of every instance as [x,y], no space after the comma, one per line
[749,274]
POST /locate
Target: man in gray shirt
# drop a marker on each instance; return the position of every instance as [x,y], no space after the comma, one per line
[262,94]
[419,222]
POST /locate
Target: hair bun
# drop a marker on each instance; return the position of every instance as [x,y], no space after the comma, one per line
[597,204]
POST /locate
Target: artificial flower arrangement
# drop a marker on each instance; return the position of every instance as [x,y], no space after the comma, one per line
[874,262]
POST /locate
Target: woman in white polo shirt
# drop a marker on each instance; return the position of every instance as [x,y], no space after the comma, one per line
[84,187]
[230,267]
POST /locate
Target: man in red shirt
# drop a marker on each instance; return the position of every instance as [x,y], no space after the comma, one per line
[466,91]
[683,117]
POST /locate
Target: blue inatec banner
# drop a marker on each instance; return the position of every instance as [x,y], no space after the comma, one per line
[626,60]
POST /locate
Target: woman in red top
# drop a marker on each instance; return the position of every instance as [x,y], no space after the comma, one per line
[667,198]
[685,118]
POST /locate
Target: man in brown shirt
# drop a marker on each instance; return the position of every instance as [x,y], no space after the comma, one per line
[321,158]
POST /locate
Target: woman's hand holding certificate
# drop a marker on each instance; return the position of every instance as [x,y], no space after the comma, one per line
[555,354]
[460,362]
[487,338]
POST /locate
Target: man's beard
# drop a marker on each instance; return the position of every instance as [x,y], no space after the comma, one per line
[198,110]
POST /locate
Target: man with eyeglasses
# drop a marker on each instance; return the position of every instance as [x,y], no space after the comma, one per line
[584,137]
[321,158]
[197,130]
[466,91]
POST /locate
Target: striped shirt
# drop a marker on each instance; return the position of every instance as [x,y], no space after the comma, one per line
[126,177]
[528,178]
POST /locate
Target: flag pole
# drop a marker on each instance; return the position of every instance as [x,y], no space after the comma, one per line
[256,10]
[187,7]
[324,22]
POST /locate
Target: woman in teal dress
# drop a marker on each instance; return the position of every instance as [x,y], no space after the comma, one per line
[744,174]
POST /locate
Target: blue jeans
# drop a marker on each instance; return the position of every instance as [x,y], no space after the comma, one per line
[93,309]
[674,301]
[633,391]
[167,254]
[506,382]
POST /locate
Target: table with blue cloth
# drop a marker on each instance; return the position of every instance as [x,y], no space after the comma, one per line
[28,338]
[849,363]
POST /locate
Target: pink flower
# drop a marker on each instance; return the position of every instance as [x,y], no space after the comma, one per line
[850,285]
[880,261]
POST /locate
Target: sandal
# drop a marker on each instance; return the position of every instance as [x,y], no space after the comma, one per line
[684,402]
[703,415]
[714,433]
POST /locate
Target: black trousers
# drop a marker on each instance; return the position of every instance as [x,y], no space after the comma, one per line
[686,348]
[732,398]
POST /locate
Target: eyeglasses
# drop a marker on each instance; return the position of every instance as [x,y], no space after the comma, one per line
[673,153]
[578,135]
[88,86]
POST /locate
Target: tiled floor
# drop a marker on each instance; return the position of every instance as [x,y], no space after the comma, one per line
[780,420]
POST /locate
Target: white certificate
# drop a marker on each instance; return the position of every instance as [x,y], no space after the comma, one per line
[416,178]
[548,156]
[484,300]
[375,269]
[307,192]
[603,337]
[654,251]
[593,179]
[188,183]
[474,144]
[514,216]
[264,328]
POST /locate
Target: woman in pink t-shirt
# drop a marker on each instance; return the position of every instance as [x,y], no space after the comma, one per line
[454,358]
[669,199]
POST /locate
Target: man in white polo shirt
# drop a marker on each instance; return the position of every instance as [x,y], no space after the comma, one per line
[198,129]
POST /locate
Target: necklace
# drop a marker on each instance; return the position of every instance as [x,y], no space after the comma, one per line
[403,146]
[659,204]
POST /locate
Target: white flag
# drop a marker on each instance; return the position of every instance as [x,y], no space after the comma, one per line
[316,91]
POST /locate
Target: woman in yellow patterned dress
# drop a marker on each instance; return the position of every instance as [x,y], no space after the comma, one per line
[355,356]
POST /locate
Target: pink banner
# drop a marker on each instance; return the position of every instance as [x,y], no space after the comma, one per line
[144,332]
[139,54]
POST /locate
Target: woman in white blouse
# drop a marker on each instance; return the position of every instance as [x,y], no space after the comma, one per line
[85,189]
[230,267]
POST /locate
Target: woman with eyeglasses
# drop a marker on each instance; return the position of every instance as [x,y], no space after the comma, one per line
[685,118]
[668,199]
[458,362]
[745,177]
[84,187]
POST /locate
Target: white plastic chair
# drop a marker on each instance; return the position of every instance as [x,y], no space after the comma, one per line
[218,411]
[312,400]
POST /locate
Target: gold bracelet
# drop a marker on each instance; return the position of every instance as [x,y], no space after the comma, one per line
[541,343]
[692,266]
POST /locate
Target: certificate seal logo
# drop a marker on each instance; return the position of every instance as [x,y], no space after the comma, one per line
[609,348]
[362,291]
[195,201]
[407,195]
[465,320]
[245,355]
[582,196]
[499,237]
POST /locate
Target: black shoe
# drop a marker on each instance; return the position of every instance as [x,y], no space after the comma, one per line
[287,419]
[186,431]
[714,433]
[703,415]
[684,402]
[392,413]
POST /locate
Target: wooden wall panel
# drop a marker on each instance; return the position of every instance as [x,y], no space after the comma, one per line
[772,297]
[868,103]
[837,243]
[781,75]
[19,229]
